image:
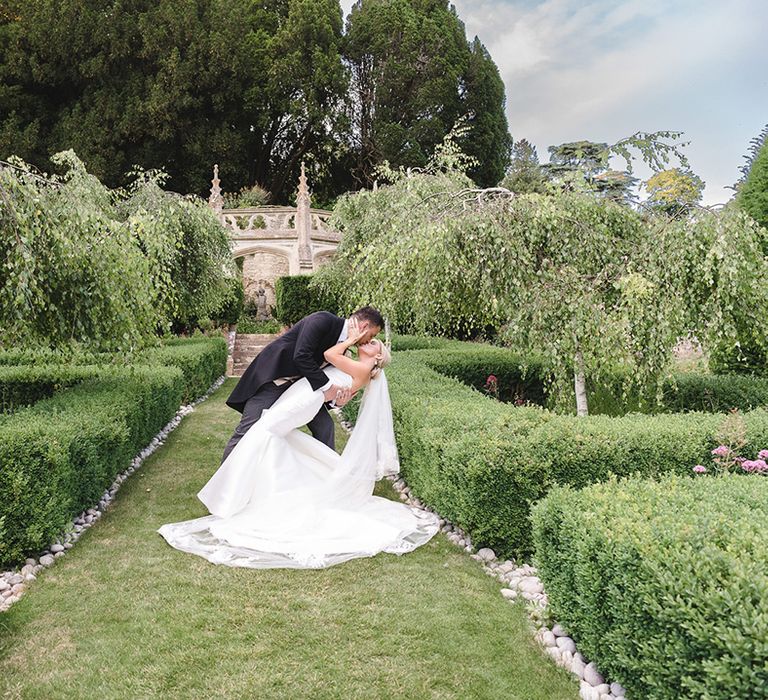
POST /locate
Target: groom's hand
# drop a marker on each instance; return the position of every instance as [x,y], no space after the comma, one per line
[333,392]
[344,398]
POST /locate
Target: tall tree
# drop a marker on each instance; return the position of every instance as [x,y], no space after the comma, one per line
[488,139]
[413,76]
[179,84]
[674,190]
[525,175]
[587,161]
[752,194]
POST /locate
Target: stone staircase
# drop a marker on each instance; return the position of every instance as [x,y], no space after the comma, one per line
[247,346]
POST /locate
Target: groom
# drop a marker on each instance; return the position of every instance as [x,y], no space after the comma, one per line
[295,354]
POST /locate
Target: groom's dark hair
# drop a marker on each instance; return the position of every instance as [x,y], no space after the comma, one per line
[368,313]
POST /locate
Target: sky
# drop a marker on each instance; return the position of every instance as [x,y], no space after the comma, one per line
[602,70]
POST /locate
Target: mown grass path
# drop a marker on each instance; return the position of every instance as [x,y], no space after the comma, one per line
[124,615]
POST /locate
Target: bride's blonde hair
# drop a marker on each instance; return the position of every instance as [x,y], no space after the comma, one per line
[383,358]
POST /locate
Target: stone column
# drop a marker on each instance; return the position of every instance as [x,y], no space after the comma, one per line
[216,201]
[303,224]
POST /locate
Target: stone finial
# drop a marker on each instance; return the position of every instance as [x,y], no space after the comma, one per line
[216,201]
[303,223]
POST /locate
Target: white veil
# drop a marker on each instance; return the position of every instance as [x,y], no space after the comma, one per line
[371,452]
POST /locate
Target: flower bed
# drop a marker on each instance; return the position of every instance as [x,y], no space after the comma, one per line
[664,584]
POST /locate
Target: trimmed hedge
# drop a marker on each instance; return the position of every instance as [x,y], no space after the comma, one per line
[663,584]
[58,455]
[482,463]
[201,359]
[295,298]
[24,385]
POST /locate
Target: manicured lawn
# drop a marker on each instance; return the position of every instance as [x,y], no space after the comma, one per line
[126,616]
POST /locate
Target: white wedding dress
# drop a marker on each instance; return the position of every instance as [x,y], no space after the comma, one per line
[282,499]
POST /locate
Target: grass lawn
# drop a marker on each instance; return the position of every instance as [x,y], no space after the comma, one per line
[124,615]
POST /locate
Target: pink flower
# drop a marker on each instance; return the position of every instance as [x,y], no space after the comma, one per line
[763,454]
[755,465]
[721,451]
[700,469]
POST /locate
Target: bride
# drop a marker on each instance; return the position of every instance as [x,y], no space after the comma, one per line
[283,499]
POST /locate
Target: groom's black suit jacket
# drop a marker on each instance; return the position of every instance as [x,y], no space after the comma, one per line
[299,351]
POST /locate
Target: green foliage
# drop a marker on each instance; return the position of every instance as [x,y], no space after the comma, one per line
[164,85]
[201,360]
[89,267]
[663,584]
[748,351]
[247,197]
[296,297]
[673,191]
[248,324]
[59,455]
[482,463]
[585,165]
[231,308]
[24,385]
[561,275]
[413,76]
[488,140]
[72,272]
[525,174]
[752,193]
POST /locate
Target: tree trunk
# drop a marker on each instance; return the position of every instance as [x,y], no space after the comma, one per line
[580,385]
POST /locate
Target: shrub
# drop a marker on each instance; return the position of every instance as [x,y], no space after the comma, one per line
[664,584]
[247,324]
[231,307]
[58,456]
[24,385]
[296,298]
[482,463]
[202,360]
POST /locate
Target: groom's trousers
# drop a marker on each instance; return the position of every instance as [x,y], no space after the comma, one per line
[321,426]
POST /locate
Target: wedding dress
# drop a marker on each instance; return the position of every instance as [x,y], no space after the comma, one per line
[282,499]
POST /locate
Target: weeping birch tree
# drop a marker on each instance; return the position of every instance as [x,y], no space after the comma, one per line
[590,284]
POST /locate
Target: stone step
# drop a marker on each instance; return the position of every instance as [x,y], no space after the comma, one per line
[247,347]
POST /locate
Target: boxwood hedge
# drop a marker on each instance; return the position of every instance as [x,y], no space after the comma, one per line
[483,463]
[59,454]
[664,584]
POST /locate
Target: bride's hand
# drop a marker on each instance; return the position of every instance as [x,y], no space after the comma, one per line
[354,334]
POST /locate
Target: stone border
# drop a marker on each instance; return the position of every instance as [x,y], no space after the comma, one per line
[13,584]
[520,582]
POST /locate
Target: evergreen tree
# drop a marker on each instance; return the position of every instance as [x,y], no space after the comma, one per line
[413,76]
[586,163]
[488,139]
[752,194]
[179,85]
[525,174]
